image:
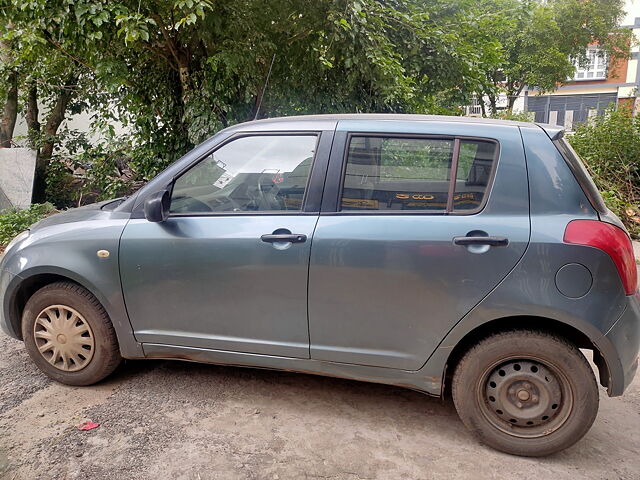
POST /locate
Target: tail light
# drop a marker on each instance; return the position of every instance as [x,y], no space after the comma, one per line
[610,239]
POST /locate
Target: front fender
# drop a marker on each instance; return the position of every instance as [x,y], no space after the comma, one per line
[69,251]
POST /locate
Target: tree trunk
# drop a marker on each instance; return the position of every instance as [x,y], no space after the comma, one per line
[56,117]
[513,95]
[31,114]
[10,112]
[492,101]
[185,77]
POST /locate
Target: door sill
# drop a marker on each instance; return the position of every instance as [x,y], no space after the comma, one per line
[402,378]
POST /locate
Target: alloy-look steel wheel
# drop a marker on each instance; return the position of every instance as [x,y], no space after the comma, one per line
[525,392]
[69,335]
[64,338]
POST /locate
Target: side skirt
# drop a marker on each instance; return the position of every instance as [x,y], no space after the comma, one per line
[401,378]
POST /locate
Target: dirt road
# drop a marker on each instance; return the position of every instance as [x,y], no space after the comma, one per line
[187,421]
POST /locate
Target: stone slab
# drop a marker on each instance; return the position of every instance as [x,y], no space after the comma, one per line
[17,170]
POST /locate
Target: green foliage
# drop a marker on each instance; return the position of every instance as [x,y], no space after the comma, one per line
[15,221]
[103,177]
[610,147]
[515,116]
[176,71]
[59,189]
[84,172]
[540,41]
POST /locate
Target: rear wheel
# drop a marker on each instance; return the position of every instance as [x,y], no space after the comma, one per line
[68,334]
[526,393]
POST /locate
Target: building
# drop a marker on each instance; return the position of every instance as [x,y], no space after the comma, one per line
[593,88]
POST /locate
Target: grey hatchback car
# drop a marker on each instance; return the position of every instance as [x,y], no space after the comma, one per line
[440,254]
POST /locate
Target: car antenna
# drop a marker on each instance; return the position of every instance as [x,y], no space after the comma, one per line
[266,82]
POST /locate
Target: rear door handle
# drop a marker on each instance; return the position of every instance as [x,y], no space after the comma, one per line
[284,237]
[480,240]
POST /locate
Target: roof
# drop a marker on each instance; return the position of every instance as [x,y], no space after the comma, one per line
[552,130]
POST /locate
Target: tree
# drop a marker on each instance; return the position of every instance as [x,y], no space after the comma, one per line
[541,41]
[178,70]
[10,94]
[206,63]
[44,72]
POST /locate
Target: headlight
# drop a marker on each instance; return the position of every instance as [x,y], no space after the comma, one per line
[17,240]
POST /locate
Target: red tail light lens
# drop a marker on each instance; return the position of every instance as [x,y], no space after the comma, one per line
[610,239]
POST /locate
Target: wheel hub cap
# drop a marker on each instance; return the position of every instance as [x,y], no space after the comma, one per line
[63,338]
[525,398]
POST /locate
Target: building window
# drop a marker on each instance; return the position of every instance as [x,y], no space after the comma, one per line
[595,69]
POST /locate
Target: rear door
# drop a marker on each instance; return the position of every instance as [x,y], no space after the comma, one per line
[420,220]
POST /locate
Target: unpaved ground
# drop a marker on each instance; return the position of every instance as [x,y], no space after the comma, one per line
[188,421]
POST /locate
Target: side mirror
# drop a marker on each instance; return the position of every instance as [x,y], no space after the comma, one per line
[156,206]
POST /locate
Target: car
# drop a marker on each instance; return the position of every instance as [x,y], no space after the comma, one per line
[455,256]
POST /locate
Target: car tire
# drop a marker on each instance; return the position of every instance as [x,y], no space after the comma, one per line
[69,336]
[526,393]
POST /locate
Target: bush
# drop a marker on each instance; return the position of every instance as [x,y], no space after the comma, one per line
[609,145]
[514,116]
[60,187]
[14,221]
[85,173]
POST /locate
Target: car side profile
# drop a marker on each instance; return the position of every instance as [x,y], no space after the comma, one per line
[441,254]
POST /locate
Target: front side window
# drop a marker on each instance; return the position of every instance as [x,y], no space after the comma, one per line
[392,174]
[261,173]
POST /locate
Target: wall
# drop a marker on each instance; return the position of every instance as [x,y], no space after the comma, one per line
[17,168]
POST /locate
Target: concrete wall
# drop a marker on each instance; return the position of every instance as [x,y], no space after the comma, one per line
[17,169]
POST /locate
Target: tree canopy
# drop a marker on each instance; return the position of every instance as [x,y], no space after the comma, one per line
[175,71]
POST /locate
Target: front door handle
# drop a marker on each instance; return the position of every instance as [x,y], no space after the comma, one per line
[284,238]
[481,240]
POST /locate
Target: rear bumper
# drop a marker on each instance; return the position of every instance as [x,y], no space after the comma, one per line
[624,336]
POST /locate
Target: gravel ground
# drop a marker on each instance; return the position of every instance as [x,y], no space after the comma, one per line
[161,419]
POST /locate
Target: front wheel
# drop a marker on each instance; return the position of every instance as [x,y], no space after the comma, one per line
[68,334]
[526,393]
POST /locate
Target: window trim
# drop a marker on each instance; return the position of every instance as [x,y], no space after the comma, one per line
[457,139]
[297,133]
[604,58]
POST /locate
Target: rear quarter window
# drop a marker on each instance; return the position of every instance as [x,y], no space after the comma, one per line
[581,174]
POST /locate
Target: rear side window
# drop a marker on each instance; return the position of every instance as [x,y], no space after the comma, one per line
[432,175]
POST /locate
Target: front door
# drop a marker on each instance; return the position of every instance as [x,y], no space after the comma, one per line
[228,269]
[427,220]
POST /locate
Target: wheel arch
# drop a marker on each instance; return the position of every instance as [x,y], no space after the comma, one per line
[566,331]
[29,282]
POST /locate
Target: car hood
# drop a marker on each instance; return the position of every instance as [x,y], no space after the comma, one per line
[87,212]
